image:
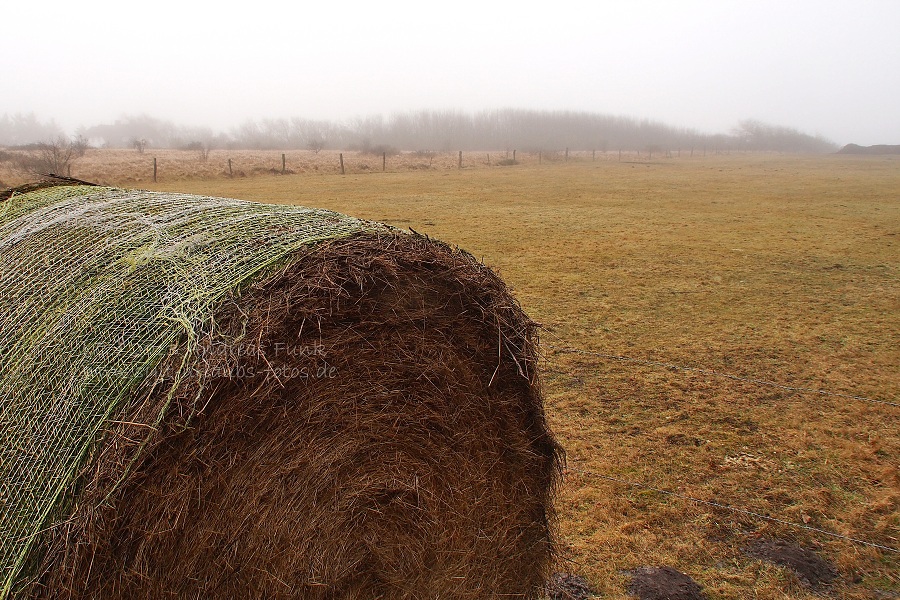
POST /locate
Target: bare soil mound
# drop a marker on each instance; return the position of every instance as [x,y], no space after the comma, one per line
[810,568]
[565,586]
[663,583]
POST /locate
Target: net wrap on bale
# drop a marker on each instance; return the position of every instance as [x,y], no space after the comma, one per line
[211,396]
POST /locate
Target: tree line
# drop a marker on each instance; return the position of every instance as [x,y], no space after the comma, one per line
[428,130]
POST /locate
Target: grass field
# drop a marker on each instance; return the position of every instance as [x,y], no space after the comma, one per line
[780,268]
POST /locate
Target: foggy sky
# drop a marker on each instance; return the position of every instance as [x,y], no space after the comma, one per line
[824,67]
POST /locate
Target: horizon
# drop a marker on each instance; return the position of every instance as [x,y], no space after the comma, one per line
[233,131]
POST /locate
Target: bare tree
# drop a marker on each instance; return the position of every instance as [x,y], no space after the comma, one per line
[53,157]
[315,143]
[19,129]
[201,148]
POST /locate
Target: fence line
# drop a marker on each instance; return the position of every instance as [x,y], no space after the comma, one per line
[735,509]
[656,363]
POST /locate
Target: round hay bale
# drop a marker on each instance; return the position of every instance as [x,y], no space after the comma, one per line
[206,397]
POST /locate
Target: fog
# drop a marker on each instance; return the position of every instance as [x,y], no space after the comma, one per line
[826,68]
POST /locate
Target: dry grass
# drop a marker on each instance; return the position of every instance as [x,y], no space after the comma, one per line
[781,268]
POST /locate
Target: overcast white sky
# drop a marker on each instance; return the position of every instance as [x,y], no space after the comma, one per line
[825,67]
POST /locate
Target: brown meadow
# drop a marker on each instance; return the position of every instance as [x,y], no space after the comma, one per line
[653,279]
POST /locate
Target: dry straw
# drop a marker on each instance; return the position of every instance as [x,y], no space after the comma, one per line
[205,397]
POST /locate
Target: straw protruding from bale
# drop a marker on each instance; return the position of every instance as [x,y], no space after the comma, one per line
[207,397]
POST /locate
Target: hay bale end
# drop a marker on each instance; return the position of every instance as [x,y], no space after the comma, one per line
[206,397]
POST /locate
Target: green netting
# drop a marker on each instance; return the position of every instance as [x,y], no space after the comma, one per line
[97,287]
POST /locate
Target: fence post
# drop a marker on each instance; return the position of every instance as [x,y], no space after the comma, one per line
[383,161]
[230,173]
[539,156]
[154,169]
[593,155]
[341,156]
[282,163]
[514,155]
[460,160]
[567,155]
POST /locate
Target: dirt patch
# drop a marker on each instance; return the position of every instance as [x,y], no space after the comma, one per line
[810,568]
[565,586]
[663,583]
[680,439]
